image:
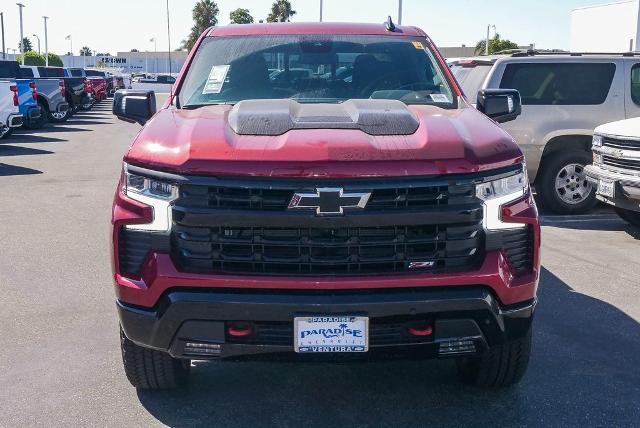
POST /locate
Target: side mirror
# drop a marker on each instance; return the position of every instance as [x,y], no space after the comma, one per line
[134,105]
[501,105]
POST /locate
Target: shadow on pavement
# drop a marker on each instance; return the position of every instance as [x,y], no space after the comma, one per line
[57,127]
[9,150]
[584,371]
[22,138]
[81,121]
[597,222]
[7,170]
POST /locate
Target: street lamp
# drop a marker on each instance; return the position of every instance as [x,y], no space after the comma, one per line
[20,6]
[36,36]
[399,12]
[4,55]
[169,37]
[486,48]
[155,54]
[46,42]
[320,10]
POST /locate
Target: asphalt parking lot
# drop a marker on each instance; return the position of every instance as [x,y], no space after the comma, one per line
[60,357]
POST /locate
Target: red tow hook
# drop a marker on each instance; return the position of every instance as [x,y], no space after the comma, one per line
[420,331]
[236,330]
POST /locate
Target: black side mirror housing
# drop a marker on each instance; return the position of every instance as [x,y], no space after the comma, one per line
[134,106]
[501,105]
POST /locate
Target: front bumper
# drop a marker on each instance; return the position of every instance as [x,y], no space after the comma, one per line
[627,187]
[193,324]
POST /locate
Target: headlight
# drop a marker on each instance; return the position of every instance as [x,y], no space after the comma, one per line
[155,193]
[597,141]
[499,192]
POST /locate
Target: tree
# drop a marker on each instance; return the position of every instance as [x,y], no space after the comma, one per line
[54,60]
[495,45]
[241,16]
[135,50]
[281,11]
[27,44]
[85,51]
[32,58]
[103,54]
[205,15]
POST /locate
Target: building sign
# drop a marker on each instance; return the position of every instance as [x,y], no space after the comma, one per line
[113,61]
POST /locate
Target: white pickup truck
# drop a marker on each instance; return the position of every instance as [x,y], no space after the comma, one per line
[10,116]
[616,167]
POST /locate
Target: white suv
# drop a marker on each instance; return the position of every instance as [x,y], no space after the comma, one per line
[564,97]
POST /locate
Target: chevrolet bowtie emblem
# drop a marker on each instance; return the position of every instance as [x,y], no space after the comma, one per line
[329,200]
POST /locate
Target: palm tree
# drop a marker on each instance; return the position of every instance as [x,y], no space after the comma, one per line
[281,11]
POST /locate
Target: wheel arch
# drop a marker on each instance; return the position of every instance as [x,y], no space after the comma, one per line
[565,142]
[44,102]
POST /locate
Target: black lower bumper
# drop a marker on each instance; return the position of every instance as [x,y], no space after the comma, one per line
[194,324]
[626,188]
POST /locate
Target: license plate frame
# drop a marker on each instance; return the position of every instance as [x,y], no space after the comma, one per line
[331,334]
[606,188]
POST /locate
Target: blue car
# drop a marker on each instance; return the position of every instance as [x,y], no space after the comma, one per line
[28,104]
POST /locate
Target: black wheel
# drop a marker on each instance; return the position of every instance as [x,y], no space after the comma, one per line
[39,122]
[59,117]
[631,217]
[500,366]
[562,183]
[150,369]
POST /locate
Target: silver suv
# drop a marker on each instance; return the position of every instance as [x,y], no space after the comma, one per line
[564,98]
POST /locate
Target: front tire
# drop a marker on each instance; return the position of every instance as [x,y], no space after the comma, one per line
[501,366]
[562,183]
[631,217]
[150,369]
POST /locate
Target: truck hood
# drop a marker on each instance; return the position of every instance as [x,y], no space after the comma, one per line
[622,128]
[202,142]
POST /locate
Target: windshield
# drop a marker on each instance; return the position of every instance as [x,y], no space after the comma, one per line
[321,69]
[471,78]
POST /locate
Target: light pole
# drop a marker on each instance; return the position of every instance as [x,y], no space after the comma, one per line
[399,12]
[155,54]
[46,42]
[486,48]
[4,55]
[20,6]
[169,37]
[71,42]
[320,10]
[36,36]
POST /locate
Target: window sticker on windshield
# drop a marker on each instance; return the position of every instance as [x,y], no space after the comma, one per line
[216,79]
[417,45]
[439,98]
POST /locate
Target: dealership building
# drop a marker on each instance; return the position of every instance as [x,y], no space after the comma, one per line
[611,27]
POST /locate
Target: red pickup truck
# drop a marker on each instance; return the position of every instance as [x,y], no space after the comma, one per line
[361,209]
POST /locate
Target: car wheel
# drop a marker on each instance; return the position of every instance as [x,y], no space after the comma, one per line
[39,122]
[150,369]
[631,217]
[562,183]
[500,366]
[59,116]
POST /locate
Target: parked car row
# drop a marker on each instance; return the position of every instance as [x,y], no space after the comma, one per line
[30,96]
[564,98]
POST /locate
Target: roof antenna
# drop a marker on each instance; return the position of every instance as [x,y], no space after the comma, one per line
[389,25]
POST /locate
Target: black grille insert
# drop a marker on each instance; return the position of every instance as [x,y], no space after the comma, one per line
[518,248]
[621,144]
[621,163]
[133,248]
[276,196]
[327,251]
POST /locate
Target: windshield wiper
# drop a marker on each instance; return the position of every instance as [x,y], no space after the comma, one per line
[196,106]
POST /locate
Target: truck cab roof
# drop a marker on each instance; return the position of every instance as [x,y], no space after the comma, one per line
[329,28]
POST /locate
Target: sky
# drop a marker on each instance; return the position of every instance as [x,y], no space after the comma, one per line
[122,25]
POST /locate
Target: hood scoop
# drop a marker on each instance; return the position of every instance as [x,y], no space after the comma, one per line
[275,117]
